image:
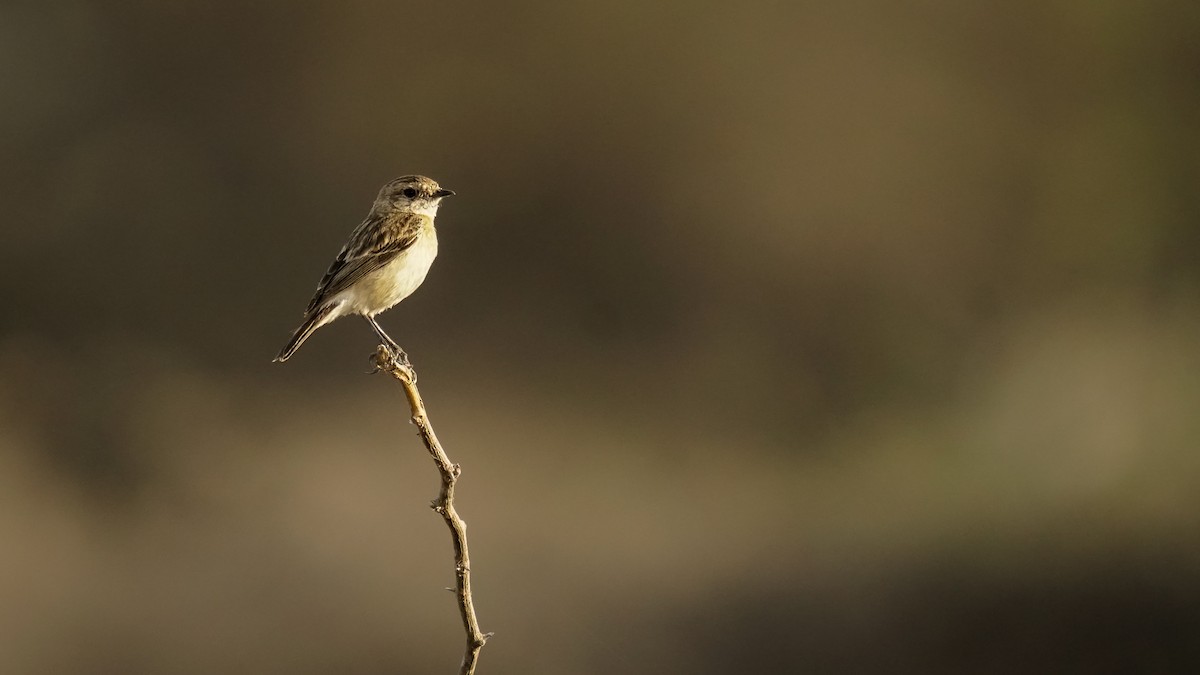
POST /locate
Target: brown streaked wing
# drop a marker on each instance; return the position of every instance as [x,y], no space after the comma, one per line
[374,243]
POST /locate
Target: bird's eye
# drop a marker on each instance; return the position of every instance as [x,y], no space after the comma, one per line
[409,192]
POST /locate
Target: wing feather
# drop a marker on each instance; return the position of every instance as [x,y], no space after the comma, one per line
[374,243]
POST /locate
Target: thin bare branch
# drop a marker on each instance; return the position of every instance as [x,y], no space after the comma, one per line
[443,505]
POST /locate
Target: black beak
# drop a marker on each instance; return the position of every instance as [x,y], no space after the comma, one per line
[443,193]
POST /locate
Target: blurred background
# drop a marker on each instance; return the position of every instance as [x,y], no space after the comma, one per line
[771,337]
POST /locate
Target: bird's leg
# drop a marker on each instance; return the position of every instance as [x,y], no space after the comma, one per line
[388,341]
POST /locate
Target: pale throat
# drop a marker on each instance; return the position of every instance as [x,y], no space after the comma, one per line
[428,208]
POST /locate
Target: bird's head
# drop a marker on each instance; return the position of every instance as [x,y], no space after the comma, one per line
[415,194]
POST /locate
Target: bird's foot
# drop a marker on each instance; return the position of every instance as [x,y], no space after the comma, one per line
[400,355]
[392,355]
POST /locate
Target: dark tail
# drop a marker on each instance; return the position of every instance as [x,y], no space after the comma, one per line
[311,324]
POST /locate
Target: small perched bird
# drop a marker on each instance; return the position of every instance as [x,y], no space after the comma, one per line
[386,259]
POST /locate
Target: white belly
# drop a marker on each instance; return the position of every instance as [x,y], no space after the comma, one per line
[394,282]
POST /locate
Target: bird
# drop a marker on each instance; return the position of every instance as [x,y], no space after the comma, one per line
[384,261]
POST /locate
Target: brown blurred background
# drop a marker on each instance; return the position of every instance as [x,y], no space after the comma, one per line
[772,337]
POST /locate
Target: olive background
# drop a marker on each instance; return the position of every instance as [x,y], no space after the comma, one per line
[854,337]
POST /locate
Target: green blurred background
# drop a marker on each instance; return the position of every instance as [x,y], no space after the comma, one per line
[771,336]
